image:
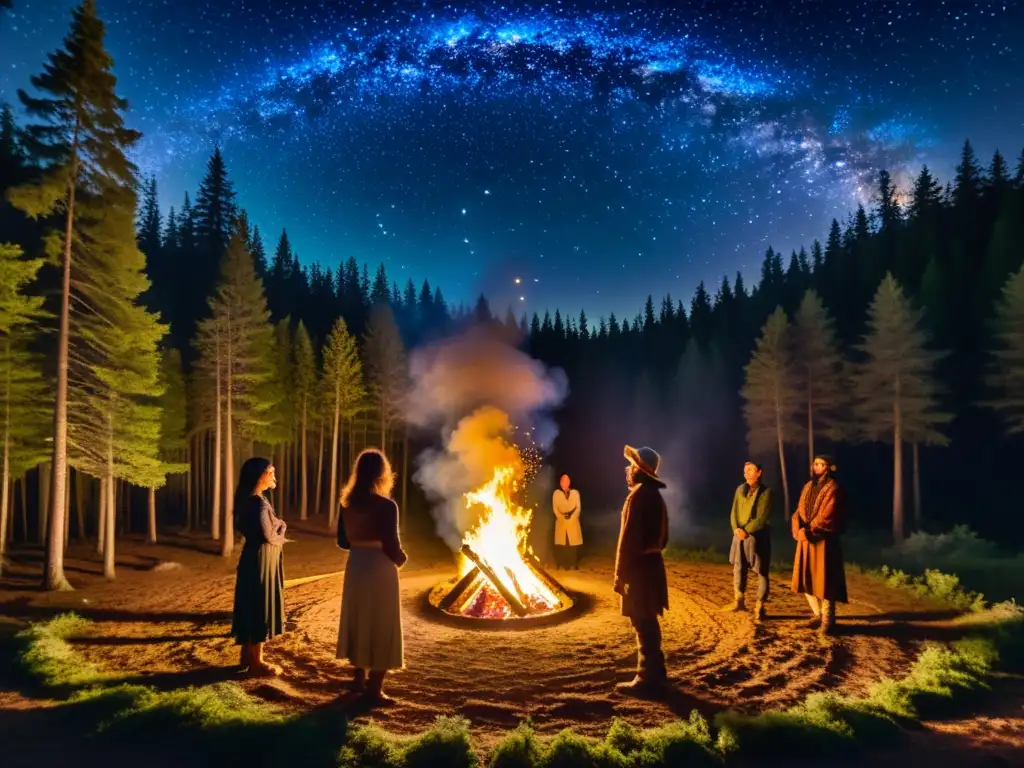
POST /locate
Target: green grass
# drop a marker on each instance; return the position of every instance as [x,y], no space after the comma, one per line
[219,717]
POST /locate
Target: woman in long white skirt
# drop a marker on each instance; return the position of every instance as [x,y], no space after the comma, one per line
[370,634]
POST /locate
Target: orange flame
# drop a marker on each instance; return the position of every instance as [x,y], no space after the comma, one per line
[500,537]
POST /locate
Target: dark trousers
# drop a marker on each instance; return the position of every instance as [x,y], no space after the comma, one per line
[740,569]
[650,661]
[567,557]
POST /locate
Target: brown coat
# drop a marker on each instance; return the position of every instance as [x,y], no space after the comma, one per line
[818,562]
[639,566]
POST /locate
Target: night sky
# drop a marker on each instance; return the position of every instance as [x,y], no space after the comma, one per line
[597,152]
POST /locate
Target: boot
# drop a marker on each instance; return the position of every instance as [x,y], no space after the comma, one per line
[816,608]
[828,618]
[358,682]
[760,613]
[375,690]
[641,687]
[735,606]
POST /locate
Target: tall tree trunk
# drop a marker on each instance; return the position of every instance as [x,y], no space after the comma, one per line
[304,464]
[284,472]
[189,453]
[43,504]
[405,473]
[810,432]
[228,539]
[215,459]
[53,572]
[332,499]
[109,540]
[151,527]
[897,469]
[125,491]
[67,509]
[203,489]
[320,471]
[80,480]
[24,507]
[918,517]
[101,515]
[782,462]
[5,476]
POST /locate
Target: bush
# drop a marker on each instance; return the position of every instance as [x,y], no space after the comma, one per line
[977,563]
[936,585]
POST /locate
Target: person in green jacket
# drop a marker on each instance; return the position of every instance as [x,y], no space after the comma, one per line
[751,538]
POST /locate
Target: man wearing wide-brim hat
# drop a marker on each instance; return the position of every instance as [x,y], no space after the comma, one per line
[640,577]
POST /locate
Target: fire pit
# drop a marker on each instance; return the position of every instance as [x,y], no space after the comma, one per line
[501,583]
[479,598]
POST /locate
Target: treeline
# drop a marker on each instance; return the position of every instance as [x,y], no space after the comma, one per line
[143,356]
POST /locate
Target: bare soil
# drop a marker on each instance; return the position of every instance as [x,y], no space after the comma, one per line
[168,627]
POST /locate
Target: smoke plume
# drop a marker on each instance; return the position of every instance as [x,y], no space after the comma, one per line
[478,392]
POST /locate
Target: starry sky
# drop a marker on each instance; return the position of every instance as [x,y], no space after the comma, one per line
[595,151]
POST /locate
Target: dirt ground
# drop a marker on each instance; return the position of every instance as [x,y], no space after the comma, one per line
[168,626]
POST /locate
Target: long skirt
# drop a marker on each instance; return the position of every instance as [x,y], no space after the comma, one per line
[370,632]
[259,595]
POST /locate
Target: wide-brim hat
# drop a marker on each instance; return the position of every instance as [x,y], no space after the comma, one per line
[645,459]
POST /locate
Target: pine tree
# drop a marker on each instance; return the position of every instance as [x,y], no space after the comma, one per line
[897,394]
[173,446]
[280,278]
[385,369]
[1006,379]
[819,372]
[771,401]
[81,143]
[926,196]
[649,318]
[237,346]
[701,315]
[305,382]
[343,394]
[148,226]
[215,210]
[968,181]
[259,254]
[284,416]
[817,258]
[114,381]
[24,396]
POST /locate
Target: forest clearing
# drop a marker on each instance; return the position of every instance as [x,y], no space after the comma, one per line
[165,623]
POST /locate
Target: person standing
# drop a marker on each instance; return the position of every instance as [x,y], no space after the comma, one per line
[370,630]
[751,539]
[640,578]
[258,614]
[568,532]
[819,521]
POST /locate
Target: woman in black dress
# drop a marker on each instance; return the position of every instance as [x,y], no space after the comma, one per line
[259,586]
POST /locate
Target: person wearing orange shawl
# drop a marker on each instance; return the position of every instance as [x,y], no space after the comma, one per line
[640,578]
[819,521]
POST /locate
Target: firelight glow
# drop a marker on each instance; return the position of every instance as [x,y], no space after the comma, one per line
[500,537]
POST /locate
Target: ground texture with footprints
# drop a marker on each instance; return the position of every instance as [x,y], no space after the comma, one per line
[165,620]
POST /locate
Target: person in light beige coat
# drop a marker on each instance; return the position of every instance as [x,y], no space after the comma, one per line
[568,532]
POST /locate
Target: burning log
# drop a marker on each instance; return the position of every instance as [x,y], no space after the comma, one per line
[515,603]
[535,565]
[457,591]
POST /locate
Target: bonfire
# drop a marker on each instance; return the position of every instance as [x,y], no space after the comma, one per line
[499,575]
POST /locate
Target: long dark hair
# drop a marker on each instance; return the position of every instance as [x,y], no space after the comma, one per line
[371,474]
[248,480]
